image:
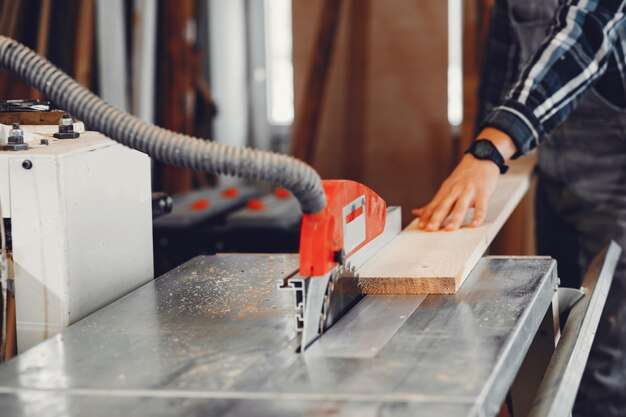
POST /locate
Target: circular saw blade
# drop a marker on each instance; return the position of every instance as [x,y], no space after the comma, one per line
[342,293]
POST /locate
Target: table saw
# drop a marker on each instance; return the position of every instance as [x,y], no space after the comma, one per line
[216,337]
[282,335]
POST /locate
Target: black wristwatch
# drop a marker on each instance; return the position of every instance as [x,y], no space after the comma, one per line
[485,150]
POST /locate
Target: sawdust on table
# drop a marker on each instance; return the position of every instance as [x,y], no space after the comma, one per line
[212,292]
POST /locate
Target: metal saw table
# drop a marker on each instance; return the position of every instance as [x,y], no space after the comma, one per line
[216,337]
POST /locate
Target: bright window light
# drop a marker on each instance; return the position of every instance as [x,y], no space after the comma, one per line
[278,40]
[455,62]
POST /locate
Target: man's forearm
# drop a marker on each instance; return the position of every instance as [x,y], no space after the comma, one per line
[501,66]
[575,54]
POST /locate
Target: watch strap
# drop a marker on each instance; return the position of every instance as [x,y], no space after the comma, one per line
[492,154]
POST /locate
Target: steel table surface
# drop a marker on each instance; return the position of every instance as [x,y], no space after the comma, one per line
[216,337]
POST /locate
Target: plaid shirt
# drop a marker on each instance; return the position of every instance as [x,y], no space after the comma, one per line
[585,46]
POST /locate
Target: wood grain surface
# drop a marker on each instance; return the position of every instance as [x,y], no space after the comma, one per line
[387,90]
[418,262]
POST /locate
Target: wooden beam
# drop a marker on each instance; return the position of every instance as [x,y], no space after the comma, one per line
[43,32]
[356,90]
[44,27]
[10,344]
[31,117]
[308,113]
[9,17]
[179,67]
[83,56]
[418,262]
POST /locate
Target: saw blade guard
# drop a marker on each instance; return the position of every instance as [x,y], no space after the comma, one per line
[354,215]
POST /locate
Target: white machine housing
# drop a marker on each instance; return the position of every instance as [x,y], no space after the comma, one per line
[81,225]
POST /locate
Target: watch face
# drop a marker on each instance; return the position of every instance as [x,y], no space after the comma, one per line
[483,149]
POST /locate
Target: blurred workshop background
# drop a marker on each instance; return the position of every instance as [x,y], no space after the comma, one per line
[382,92]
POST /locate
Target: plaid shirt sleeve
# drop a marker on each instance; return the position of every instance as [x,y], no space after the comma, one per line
[572,57]
[502,61]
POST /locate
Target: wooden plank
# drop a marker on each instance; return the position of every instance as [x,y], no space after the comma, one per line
[10,344]
[9,17]
[179,68]
[31,118]
[404,127]
[309,112]
[356,90]
[517,236]
[44,27]
[43,32]
[83,55]
[418,262]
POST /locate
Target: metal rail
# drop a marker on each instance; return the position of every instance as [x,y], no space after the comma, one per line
[558,390]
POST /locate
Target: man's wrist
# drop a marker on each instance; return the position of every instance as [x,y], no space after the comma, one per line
[485,150]
[501,141]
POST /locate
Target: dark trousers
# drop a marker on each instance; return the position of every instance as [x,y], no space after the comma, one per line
[581,206]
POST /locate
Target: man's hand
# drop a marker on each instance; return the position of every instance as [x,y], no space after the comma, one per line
[470,185]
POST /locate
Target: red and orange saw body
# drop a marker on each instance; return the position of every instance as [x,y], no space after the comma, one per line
[354,215]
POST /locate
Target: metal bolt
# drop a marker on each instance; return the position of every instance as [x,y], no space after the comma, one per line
[15,141]
[27,164]
[66,120]
[16,134]
[66,128]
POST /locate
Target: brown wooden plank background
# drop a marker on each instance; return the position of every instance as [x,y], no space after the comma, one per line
[403,147]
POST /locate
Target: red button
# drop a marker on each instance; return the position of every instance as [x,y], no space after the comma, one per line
[282,193]
[231,192]
[200,205]
[256,204]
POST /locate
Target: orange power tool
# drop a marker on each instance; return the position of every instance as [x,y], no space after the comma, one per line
[354,217]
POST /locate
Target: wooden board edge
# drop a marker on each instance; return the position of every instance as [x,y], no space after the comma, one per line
[496,227]
[401,286]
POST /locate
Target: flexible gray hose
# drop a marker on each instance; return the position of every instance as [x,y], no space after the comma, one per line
[162,144]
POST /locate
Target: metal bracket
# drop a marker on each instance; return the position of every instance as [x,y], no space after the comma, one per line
[298,285]
[568,297]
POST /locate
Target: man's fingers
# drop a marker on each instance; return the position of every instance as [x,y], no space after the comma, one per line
[446,191]
[430,208]
[460,211]
[480,209]
[427,212]
[425,216]
[441,212]
[417,212]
